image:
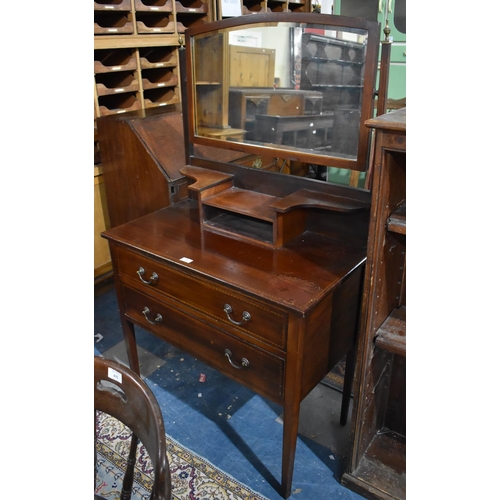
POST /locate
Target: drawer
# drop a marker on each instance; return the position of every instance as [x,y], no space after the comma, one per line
[262,372]
[220,303]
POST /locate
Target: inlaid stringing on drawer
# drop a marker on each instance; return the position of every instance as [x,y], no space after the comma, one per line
[222,304]
[247,363]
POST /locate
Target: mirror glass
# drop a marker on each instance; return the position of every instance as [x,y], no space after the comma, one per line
[292,89]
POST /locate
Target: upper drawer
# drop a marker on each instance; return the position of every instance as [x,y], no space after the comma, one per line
[220,303]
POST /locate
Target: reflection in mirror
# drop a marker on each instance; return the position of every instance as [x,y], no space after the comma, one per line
[296,88]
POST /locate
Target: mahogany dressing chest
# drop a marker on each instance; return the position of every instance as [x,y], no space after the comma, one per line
[257,273]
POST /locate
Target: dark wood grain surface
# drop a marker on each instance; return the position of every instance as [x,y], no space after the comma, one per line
[294,276]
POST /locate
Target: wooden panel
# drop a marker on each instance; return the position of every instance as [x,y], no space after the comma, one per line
[392,334]
[251,66]
[135,170]
[378,463]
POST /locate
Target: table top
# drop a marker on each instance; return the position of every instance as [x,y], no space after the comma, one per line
[295,276]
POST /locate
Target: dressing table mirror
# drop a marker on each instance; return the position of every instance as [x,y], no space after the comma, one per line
[257,273]
[298,86]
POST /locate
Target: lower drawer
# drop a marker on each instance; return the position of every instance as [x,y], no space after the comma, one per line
[251,366]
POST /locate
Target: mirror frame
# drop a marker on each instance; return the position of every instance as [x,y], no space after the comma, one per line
[369,92]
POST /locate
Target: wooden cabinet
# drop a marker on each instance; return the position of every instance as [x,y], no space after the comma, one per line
[210,81]
[135,51]
[335,68]
[255,6]
[136,67]
[378,462]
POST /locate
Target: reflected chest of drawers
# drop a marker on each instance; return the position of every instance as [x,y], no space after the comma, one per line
[274,319]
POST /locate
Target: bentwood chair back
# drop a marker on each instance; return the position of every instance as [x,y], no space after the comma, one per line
[121,393]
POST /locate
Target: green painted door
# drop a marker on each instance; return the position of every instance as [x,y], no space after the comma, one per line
[394,11]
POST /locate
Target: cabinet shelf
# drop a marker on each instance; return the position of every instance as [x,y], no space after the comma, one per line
[158,57]
[263,218]
[112,23]
[396,222]
[391,336]
[297,7]
[112,5]
[194,7]
[277,6]
[322,59]
[160,97]
[185,21]
[252,8]
[153,5]
[115,83]
[337,86]
[109,60]
[382,468]
[154,23]
[156,78]
[118,103]
[209,84]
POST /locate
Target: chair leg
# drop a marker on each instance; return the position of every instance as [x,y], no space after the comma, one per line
[128,478]
[346,391]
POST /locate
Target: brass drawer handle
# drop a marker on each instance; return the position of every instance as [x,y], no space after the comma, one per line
[152,280]
[244,361]
[228,310]
[157,319]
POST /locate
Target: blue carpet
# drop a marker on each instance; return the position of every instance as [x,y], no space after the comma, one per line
[226,423]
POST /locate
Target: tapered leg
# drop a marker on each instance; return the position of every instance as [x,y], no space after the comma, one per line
[130,344]
[290,431]
[346,391]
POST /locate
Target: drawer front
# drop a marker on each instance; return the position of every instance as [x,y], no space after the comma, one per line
[262,371]
[225,306]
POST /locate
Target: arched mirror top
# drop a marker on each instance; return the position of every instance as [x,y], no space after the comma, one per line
[296,86]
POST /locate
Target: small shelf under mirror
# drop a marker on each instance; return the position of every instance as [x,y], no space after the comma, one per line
[256,216]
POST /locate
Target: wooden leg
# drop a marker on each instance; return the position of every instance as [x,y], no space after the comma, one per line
[291,406]
[131,345]
[128,478]
[290,431]
[346,391]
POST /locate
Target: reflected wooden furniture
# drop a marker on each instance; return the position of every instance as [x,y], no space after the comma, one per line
[251,66]
[122,394]
[335,68]
[378,463]
[290,130]
[245,103]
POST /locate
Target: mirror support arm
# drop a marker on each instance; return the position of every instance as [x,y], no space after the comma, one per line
[188,146]
[384,72]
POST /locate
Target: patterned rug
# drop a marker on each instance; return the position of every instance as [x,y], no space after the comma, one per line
[192,476]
